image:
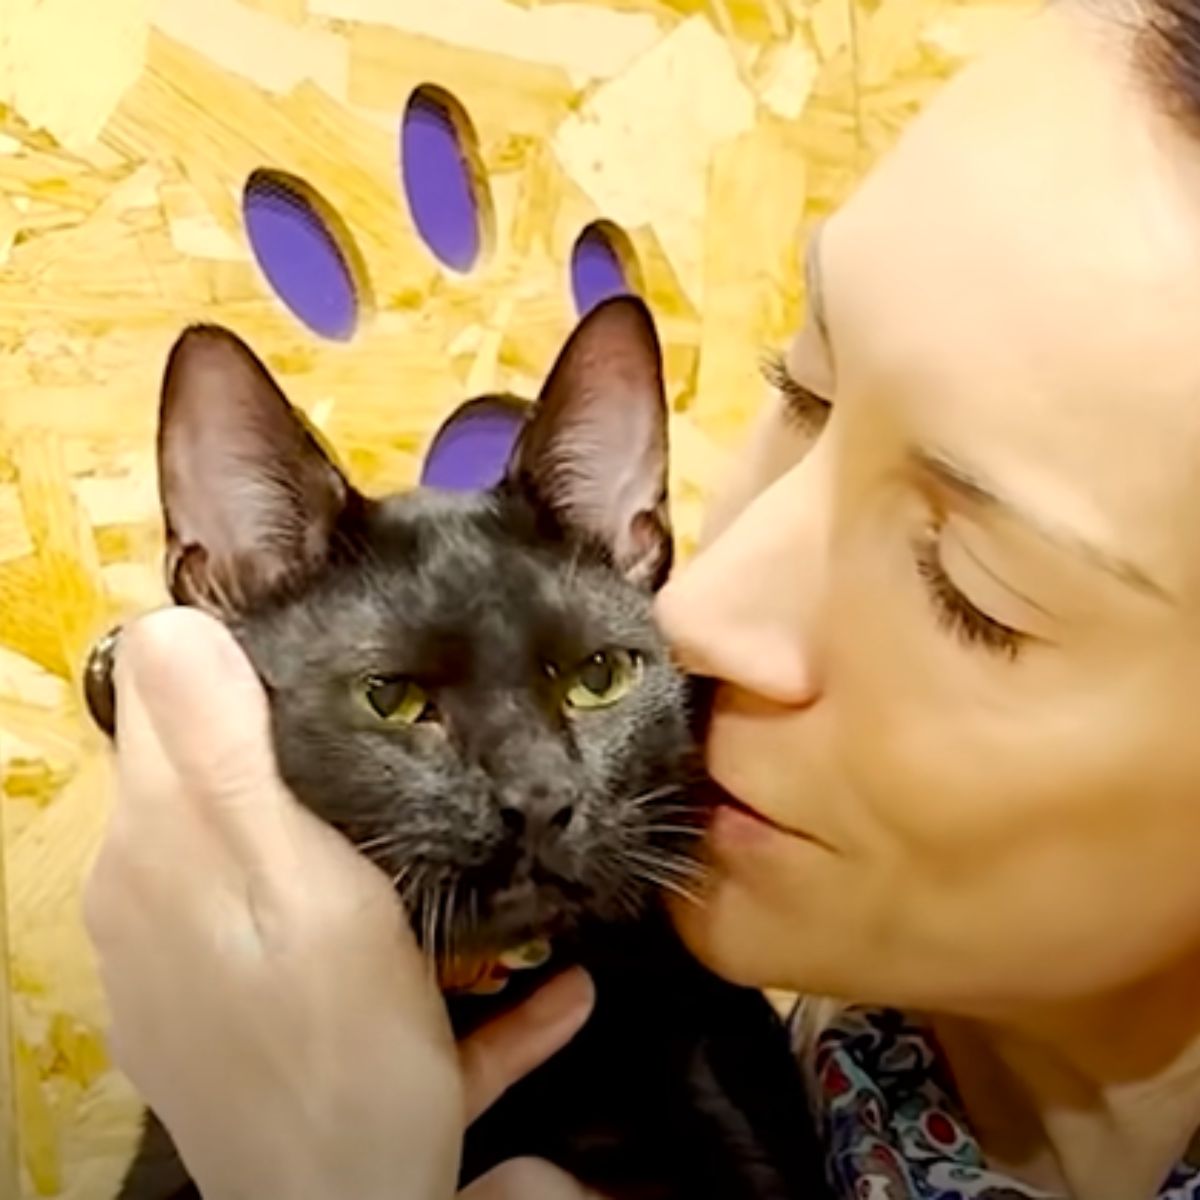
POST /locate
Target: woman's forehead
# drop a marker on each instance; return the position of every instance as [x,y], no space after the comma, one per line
[1024,273]
[1046,161]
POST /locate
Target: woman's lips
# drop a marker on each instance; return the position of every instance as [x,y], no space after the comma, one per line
[735,825]
[735,822]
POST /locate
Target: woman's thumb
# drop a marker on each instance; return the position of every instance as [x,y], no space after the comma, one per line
[506,1049]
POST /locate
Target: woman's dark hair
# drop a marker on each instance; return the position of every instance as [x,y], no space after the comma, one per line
[1172,52]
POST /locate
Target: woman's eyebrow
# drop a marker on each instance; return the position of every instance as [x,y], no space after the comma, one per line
[972,487]
[813,282]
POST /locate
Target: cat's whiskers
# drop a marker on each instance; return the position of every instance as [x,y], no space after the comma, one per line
[382,843]
[670,810]
[429,927]
[410,878]
[441,932]
[659,811]
[663,870]
[668,883]
[418,899]
[630,896]
[673,860]
[473,916]
[624,890]
[400,880]
[608,873]
[678,868]
[451,898]
[642,799]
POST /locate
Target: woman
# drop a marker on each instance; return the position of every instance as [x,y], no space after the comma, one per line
[954,684]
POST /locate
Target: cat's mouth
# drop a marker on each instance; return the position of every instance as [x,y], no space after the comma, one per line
[481,924]
[485,976]
[501,932]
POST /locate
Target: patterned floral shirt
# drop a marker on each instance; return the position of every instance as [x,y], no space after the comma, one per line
[892,1126]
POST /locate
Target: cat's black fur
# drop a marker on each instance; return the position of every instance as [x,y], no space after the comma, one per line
[538,819]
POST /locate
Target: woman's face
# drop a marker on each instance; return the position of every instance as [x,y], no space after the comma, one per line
[956,623]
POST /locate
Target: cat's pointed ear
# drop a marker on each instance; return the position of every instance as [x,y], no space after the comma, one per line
[594,452]
[253,505]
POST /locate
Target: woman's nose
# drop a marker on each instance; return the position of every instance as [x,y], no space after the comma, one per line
[743,611]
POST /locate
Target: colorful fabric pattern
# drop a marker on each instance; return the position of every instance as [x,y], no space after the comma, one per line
[892,1126]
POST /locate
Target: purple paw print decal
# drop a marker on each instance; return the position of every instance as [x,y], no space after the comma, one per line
[472,445]
[311,260]
[602,265]
[306,252]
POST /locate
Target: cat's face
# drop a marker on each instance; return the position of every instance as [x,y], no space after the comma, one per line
[470,686]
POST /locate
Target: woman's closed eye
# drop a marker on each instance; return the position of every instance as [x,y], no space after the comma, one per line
[955,612]
[806,408]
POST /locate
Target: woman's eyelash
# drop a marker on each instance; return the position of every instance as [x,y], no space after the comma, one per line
[803,405]
[955,612]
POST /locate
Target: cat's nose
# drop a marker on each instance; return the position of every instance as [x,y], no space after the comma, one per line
[535,815]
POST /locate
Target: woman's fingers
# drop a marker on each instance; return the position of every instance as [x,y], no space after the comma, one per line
[527,1179]
[506,1049]
[209,708]
[208,724]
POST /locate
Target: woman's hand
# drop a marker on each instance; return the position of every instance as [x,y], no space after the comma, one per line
[266,992]
[528,1179]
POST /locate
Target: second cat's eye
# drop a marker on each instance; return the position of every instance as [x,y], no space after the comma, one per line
[396,700]
[602,679]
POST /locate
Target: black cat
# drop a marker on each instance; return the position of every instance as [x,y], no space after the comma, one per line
[472,688]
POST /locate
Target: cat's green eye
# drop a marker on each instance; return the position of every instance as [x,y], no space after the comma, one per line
[396,700]
[602,679]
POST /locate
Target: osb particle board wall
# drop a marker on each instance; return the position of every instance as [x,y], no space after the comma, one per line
[713,132]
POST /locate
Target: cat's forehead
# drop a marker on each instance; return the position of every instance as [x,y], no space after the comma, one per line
[434,509]
[445,537]
[466,543]
[475,569]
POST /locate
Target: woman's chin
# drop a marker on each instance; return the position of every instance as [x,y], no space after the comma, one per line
[721,931]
